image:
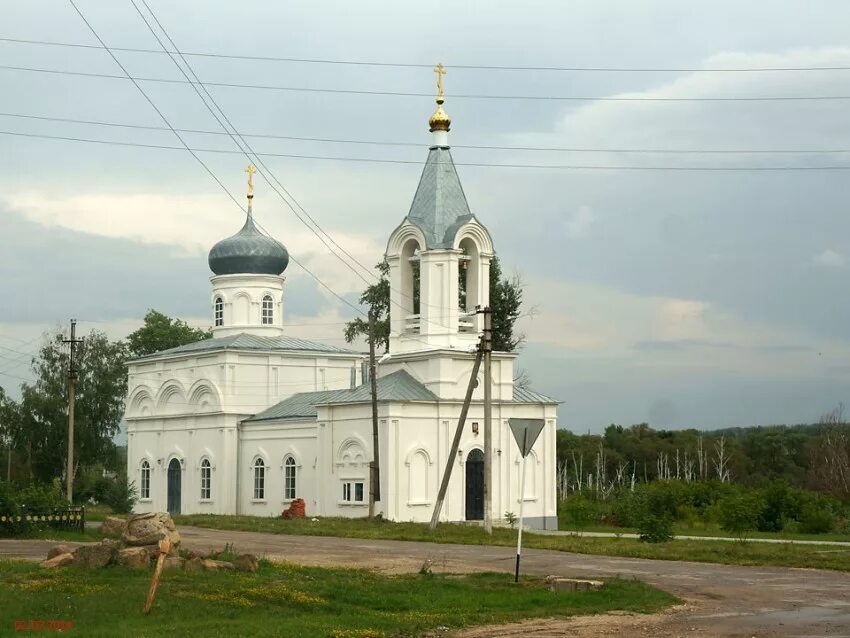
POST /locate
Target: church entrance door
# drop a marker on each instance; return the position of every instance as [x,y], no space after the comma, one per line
[475,486]
[174,476]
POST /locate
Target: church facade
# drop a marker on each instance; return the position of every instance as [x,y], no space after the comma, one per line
[247,421]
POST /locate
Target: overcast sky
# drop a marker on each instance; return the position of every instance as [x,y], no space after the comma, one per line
[686,299]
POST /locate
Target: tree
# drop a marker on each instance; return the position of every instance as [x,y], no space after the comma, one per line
[40,432]
[505,303]
[161,332]
[377,298]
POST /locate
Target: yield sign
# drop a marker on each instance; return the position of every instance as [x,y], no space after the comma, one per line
[526,432]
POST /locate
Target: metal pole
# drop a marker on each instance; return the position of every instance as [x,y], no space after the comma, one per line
[488,421]
[521,505]
[374,466]
[72,390]
[447,474]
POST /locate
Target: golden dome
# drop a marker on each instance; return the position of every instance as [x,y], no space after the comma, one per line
[439,121]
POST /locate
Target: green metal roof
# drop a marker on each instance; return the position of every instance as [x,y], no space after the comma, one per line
[525,395]
[248,251]
[245,341]
[397,386]
[439,207]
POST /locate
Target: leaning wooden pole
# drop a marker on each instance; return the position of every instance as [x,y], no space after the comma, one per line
[164,549]
[375,465]
[447,473]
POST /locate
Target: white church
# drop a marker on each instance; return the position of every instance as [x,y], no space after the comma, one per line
[251,419]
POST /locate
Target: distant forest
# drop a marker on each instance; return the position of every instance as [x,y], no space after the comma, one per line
[814,457]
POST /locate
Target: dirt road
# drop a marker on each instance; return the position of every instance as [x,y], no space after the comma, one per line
[720,600]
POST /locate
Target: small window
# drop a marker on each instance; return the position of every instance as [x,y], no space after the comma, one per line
[145,490]
[289,471]
[352,492]
[206,479]
[219,311]
[268,310]
[259,480]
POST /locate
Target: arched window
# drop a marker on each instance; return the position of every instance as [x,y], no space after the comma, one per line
[289,472]
[206,479]
[268,310]
[259,480]
[219,311]
[145,487]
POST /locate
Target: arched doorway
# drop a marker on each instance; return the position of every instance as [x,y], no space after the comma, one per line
[475,486]
[174,476]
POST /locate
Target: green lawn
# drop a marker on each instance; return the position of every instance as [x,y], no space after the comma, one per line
[730,553]
[286,600]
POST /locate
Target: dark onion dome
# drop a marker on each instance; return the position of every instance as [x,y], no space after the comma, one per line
[249,252]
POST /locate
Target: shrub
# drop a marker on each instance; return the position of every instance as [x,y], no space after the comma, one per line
[739,514]
[816,521]
[121,495]
[40,497]
[579,510]
[655,529]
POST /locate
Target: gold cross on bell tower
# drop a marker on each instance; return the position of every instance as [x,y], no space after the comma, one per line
[250,170]
[440,71]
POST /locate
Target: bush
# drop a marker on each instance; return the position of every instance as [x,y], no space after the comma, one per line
[739,514]
[579,510]
[816,521]
[41,498]
[121,495]
[655,529]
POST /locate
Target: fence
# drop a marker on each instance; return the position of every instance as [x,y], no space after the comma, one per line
[72,518]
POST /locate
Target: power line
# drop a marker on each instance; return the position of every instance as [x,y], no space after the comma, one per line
[265,169]
[482,67]
[578,167]
[561,149]
[198,159]
[553,98]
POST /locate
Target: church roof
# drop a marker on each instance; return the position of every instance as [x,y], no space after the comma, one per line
[439,206]
[244,341]
[248,252]
[397,386]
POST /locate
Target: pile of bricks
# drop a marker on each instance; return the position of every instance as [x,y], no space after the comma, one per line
[296,509]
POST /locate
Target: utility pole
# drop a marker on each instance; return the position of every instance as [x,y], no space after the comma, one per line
[72,391]
[487,344]
[374,466]
[450,461]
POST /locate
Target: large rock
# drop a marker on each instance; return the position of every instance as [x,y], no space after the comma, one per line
[60,560]
[193,564]
[246,563]
[150,528]
[96,555]
[217,565]
[112,527]
[134,558]
[58,551]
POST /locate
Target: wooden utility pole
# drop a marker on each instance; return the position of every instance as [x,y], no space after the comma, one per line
[487,344]
[374,466]
[450,461]
[72,391]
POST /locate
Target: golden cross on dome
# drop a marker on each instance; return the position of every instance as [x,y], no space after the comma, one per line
[250,170]
[440,71]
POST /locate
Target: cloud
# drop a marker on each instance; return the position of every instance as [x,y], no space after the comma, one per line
[830,259]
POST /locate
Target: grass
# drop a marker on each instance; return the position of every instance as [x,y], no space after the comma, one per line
[706,529]
[286,600]
[724,552]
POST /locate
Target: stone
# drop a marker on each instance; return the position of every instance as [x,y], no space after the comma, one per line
[246,563]
[558,584]
[173,562]
[112,527]
[217,565]
[58,551]
[149,528]
[134,558]
[96,554]
[194,564]
[60,560]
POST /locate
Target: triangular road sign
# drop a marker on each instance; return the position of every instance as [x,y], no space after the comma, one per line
[526,432]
